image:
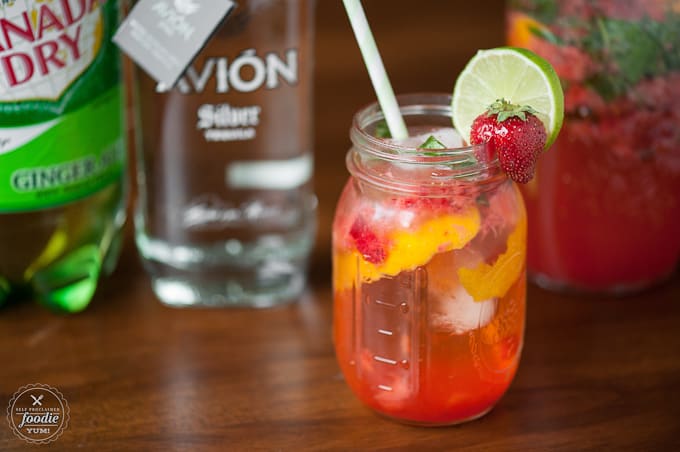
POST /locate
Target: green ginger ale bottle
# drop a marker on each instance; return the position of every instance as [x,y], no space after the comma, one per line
[62,149]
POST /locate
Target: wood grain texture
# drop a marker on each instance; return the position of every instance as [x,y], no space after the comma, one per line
[596,373]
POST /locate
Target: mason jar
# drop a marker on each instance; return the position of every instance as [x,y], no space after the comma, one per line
[428,271]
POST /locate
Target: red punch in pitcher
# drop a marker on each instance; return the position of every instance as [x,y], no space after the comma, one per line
[604,207]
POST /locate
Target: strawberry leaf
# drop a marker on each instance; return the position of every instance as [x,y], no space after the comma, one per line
[505,110]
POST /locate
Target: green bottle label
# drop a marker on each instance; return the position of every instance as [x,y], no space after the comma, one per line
[61,102]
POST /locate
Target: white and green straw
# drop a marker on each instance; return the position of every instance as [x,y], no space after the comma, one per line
[376,69]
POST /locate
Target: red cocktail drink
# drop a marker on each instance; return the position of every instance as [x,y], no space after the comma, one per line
[428,272]
[604,207]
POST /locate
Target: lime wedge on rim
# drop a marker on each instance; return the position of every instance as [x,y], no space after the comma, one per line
[517,75]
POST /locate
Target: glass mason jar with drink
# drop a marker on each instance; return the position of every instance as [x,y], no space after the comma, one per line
[226,213]
[429,235]
[604,208]
[428,270]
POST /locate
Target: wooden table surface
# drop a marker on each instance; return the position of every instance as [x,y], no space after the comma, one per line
[596,373]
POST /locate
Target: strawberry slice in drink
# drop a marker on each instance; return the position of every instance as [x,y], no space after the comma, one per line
[367,242]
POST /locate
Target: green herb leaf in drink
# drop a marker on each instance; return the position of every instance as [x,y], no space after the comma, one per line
[432,143]
[381,130]
[623,49]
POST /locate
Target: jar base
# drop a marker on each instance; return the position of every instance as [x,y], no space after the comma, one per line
[435,424]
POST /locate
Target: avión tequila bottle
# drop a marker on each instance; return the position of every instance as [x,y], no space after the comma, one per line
[226,214]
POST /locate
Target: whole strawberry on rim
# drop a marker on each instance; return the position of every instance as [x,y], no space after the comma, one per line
[511,99]
[514,133]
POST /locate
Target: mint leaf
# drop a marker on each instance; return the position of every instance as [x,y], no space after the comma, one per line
[626,52]
[666,34]
[632,48]
[381,130]
[622,52]
[483,200]
[545,11]
[432,143]
[546,35]
[608,86]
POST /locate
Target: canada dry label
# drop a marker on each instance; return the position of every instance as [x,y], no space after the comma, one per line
[61,123]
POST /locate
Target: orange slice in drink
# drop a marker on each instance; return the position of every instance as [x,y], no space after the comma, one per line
[520,30]
[345,269]
[409,249]
[494,280]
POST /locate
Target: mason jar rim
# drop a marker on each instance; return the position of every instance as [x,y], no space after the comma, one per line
[450,165]
[413,104]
